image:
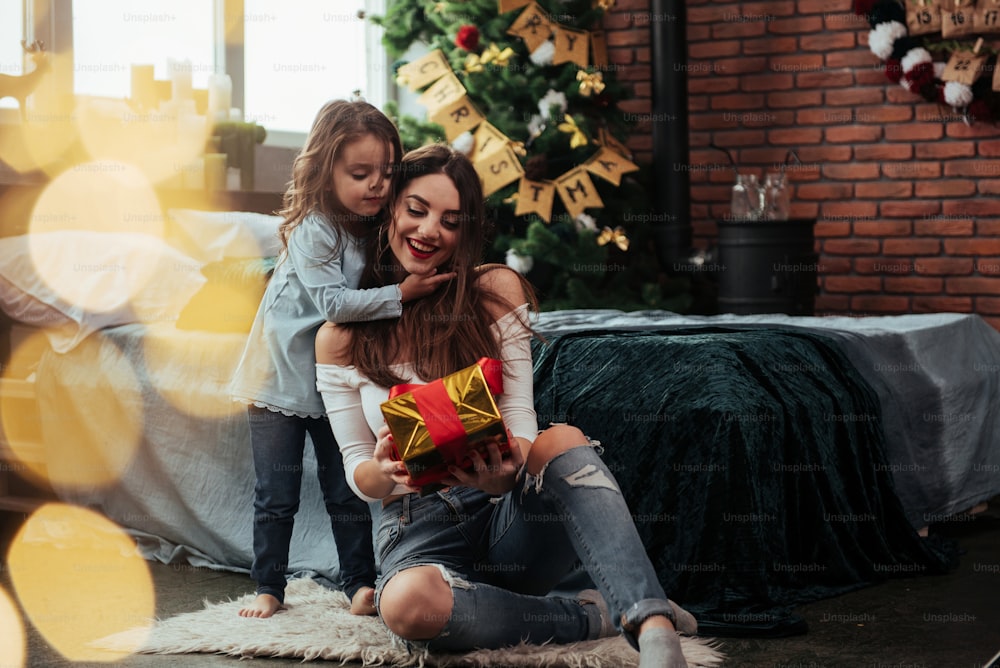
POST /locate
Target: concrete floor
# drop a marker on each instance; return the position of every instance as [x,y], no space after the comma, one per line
[950,621]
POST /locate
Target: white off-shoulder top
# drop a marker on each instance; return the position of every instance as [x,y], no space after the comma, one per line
[352,401]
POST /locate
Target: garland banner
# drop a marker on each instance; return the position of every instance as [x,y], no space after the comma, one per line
[494,155]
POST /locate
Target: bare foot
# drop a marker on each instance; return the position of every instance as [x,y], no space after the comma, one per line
[363,602]
[263,606]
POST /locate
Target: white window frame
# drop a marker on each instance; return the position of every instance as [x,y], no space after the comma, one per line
[52,22]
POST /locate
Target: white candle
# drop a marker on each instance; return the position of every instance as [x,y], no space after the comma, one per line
[143,86]
[180,79]
[220,96]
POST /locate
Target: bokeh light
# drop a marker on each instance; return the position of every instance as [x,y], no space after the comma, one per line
[161,144]
[80,578]
[88,425]
[13,649]
[45,140]
[197,366]
[20,425]
[99,196]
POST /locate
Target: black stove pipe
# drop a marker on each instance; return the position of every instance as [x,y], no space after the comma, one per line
[671,157]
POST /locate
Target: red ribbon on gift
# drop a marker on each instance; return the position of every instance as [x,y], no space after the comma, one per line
[436,407]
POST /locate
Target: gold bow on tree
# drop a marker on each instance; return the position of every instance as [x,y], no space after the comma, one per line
[590,83]
[475,62]
[617,236]
[569,126]
[493,54]
[604,4]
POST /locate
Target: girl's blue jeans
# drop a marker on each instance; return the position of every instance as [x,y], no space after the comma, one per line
[278,444]
[501,556]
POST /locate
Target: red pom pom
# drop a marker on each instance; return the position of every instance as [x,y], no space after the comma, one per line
[863,7]
[979,111]
[894,70]
[919,76]
[467,38]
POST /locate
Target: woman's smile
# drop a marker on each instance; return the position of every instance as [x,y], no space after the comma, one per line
[420,249]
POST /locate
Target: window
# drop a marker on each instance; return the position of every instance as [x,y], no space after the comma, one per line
[285,59]
[11,54]
[299,55]
[109,36]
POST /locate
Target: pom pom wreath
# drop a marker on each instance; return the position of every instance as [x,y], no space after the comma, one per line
[903,45]
[909,64]
[864,7]
[886,10]
[957,94]
[893,70]
[918,76]
[882,37]
[915,57]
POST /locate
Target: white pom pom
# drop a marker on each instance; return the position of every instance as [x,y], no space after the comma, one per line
[522,264]
[957,94]
[882,37]
[544,54]
[914,57]
[464,143]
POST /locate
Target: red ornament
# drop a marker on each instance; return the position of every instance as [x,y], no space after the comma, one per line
[467,38]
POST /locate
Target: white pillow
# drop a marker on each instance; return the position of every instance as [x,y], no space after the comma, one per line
[211,236]
[73,283]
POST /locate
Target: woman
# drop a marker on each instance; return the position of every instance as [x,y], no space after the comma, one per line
[470,566]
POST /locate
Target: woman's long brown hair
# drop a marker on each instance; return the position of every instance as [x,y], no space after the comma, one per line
[337,123]
[451,328]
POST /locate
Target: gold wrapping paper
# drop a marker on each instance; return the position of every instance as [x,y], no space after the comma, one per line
[435,426]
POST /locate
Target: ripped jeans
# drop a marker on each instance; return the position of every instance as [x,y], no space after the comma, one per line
[501,556]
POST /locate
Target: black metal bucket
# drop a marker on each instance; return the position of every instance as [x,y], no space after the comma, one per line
[767,266]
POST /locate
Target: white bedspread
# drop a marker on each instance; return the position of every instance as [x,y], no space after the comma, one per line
[187,493]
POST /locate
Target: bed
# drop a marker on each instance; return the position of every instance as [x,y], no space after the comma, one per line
[876,428]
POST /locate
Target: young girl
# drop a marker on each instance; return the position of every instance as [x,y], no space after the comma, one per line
[471,566]
[338,185]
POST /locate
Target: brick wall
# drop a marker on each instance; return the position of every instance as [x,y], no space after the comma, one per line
[906,195]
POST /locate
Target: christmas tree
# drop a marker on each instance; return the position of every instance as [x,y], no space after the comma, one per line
[525,89]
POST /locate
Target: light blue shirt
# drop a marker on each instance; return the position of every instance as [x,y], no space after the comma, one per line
[311,285]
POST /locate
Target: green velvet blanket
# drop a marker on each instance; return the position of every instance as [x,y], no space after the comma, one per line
[753,461]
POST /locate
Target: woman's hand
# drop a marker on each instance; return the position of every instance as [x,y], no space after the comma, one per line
[391,468]
[496,474]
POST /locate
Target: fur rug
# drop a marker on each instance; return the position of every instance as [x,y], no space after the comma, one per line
[317,625]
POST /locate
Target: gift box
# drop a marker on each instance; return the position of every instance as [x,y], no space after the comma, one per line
[438,425]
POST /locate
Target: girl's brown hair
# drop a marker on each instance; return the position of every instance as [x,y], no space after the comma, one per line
[451,328]
[337,123]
